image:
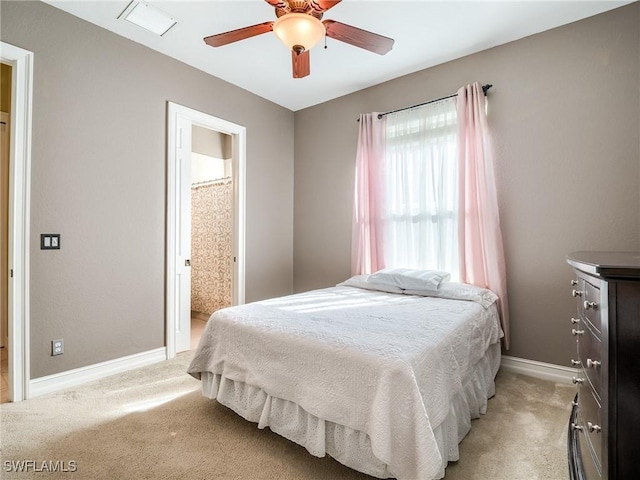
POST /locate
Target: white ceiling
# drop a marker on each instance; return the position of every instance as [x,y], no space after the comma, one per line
[426,33]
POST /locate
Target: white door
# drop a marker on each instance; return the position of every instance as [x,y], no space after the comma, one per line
[183,236]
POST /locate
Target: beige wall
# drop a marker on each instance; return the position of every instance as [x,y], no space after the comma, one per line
[211,143]
[565,115]
[98,179]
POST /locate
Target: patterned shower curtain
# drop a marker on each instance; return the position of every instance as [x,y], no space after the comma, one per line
[211,245]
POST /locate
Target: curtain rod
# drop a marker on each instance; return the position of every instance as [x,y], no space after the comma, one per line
[485,88]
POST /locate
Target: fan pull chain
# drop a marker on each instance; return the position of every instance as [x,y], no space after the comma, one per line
[325,42]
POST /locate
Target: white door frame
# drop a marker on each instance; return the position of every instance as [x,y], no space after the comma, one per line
[238,133]
[19,216]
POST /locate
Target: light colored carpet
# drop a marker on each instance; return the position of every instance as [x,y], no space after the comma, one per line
[153,423]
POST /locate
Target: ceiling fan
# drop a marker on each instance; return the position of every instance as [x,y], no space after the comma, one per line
[299,26]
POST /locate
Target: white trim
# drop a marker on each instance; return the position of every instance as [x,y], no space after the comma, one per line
[19,217]
[239,134]
[79,376]
[532,368]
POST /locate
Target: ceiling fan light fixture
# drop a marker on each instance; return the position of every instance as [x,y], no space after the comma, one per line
[299,31]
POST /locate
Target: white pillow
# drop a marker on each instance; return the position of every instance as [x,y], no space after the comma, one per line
[360,281]
[459,291]
[407,278]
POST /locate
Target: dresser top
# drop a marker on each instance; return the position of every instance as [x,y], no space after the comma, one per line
[607,264]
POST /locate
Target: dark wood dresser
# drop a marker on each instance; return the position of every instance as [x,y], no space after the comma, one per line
[604,429]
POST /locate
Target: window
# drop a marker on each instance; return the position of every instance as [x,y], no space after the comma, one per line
[420,189]
[425,194]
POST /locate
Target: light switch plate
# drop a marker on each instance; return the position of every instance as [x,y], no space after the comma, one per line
[49,241]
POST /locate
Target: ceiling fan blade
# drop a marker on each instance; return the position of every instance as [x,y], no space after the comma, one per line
[300,63]
[278,3]
[239,34]
[322,6]
[283,4]
[360,38]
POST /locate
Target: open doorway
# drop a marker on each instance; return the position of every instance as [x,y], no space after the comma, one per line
[5,130]
[195,164]
[211,226]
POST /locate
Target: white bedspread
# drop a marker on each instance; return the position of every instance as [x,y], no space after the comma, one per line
[384,364]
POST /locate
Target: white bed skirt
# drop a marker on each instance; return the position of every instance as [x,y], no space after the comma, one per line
[352,447]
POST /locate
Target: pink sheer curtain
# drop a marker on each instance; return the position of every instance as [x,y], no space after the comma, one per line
[481,250]
[366,248]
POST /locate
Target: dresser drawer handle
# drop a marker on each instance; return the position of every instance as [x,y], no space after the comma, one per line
[576,332]
[575,363]
[593,428]
[576,293]
[575,320]
[576,427]
[577,380]
[592,363]
[590,305]
[574,283]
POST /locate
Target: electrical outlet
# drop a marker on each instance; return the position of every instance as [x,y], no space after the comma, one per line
[57,347]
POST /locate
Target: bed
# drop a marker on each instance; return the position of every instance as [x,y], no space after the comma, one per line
[384,379]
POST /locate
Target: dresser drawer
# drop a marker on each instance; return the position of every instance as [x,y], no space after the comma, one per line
[589,308]
[589,418]
[582,465]
[589,353]
[588,468]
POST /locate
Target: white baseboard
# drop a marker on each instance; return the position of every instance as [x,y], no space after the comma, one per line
[78,376]
[545,371]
